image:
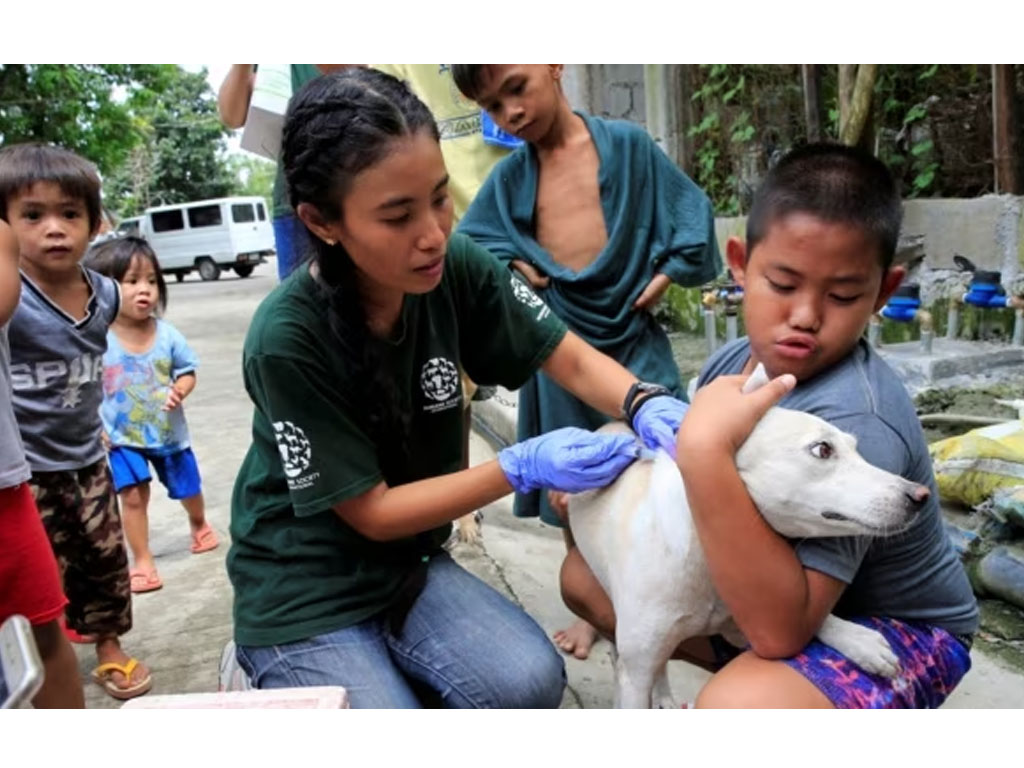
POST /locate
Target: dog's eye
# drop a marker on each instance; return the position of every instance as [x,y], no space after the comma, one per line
[822,450]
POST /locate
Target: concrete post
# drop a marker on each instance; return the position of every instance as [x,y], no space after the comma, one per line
[668,109]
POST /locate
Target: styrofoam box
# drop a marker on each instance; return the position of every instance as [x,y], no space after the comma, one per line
[322,697]
[265,119]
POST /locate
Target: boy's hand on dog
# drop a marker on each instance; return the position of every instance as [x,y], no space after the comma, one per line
[530,272]
[721,417]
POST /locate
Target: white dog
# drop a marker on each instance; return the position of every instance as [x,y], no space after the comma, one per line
[637,535]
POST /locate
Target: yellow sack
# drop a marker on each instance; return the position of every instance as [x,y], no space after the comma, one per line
[968,468]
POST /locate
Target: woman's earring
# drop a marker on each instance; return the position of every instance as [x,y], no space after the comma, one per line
[329,241]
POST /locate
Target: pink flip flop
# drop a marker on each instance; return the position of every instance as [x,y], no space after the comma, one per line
[204,540]
[144,582]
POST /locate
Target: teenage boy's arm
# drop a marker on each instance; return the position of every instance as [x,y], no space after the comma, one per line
[234,95]
[776,602]
[10,279]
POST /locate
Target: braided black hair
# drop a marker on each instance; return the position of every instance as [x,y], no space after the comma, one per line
[337,126]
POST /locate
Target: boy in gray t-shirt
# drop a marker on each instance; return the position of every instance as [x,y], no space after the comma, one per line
[51,199]
[817,263]
[29,578]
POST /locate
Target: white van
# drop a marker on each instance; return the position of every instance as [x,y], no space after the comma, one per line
[206,235]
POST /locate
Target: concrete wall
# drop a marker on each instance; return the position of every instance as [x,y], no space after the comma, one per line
[988,230]
[608,90]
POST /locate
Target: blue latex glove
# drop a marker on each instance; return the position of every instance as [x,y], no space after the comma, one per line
[657,422]
[567,459]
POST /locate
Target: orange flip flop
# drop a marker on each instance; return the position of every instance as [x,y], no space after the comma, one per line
[204,540]
[144,582]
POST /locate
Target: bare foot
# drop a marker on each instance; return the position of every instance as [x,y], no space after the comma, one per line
[577,639]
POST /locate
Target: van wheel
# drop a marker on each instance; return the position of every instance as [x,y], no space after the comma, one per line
[208,269]
[179,276]
[244,270]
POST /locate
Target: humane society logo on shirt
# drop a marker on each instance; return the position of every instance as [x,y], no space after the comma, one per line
[526,296]
[296,454]
[439,380]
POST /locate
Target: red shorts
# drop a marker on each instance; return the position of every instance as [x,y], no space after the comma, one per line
[29,578]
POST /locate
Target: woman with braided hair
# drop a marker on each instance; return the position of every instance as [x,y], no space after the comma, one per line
[353,477]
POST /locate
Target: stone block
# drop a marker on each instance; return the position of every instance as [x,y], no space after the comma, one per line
[1001,574]
[950,358]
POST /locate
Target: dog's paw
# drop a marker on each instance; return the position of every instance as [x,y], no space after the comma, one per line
[666,702]
[865,647]
[467,528]
[875,656]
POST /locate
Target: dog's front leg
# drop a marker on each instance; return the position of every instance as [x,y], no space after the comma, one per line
[632,686]
[867,648]
[662,697]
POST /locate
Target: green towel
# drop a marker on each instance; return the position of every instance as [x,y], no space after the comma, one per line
[658,220]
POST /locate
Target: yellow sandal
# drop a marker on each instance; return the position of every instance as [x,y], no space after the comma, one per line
[102,676]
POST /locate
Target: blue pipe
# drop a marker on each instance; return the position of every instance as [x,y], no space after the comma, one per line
[903,304]
[730,290]
[986,296]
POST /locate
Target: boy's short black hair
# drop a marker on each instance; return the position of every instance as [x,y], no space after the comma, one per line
[22,165]
[836,183]
[113,258]
[468,79]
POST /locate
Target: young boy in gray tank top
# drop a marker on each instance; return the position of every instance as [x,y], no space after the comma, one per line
[51,198]
[816,264]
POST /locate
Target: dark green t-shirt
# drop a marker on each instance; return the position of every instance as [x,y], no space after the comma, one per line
[301,74]
[297,569]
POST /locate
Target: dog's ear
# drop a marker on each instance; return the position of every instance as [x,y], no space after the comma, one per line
[757,379]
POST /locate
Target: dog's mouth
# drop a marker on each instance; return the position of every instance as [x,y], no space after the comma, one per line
[830,515]
[881,530]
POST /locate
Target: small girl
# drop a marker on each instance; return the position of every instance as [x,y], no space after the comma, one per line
[148,370]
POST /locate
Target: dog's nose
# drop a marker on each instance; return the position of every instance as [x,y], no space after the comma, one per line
[918,496]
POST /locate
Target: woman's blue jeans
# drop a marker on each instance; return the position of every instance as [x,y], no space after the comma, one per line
[463,645]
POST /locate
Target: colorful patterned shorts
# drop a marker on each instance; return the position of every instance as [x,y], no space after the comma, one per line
[932,662]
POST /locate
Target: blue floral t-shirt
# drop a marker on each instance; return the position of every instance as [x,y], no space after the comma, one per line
[135,388]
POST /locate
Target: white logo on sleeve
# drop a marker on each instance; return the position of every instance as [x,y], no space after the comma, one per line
[295,450]
[526,296]
[439,380]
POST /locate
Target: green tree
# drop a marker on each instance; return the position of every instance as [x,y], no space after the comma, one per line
[151,129]
[182,153]
[86,108]
[253,175]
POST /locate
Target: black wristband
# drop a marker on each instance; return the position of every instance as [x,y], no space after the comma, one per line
[641,400]
[630,404]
